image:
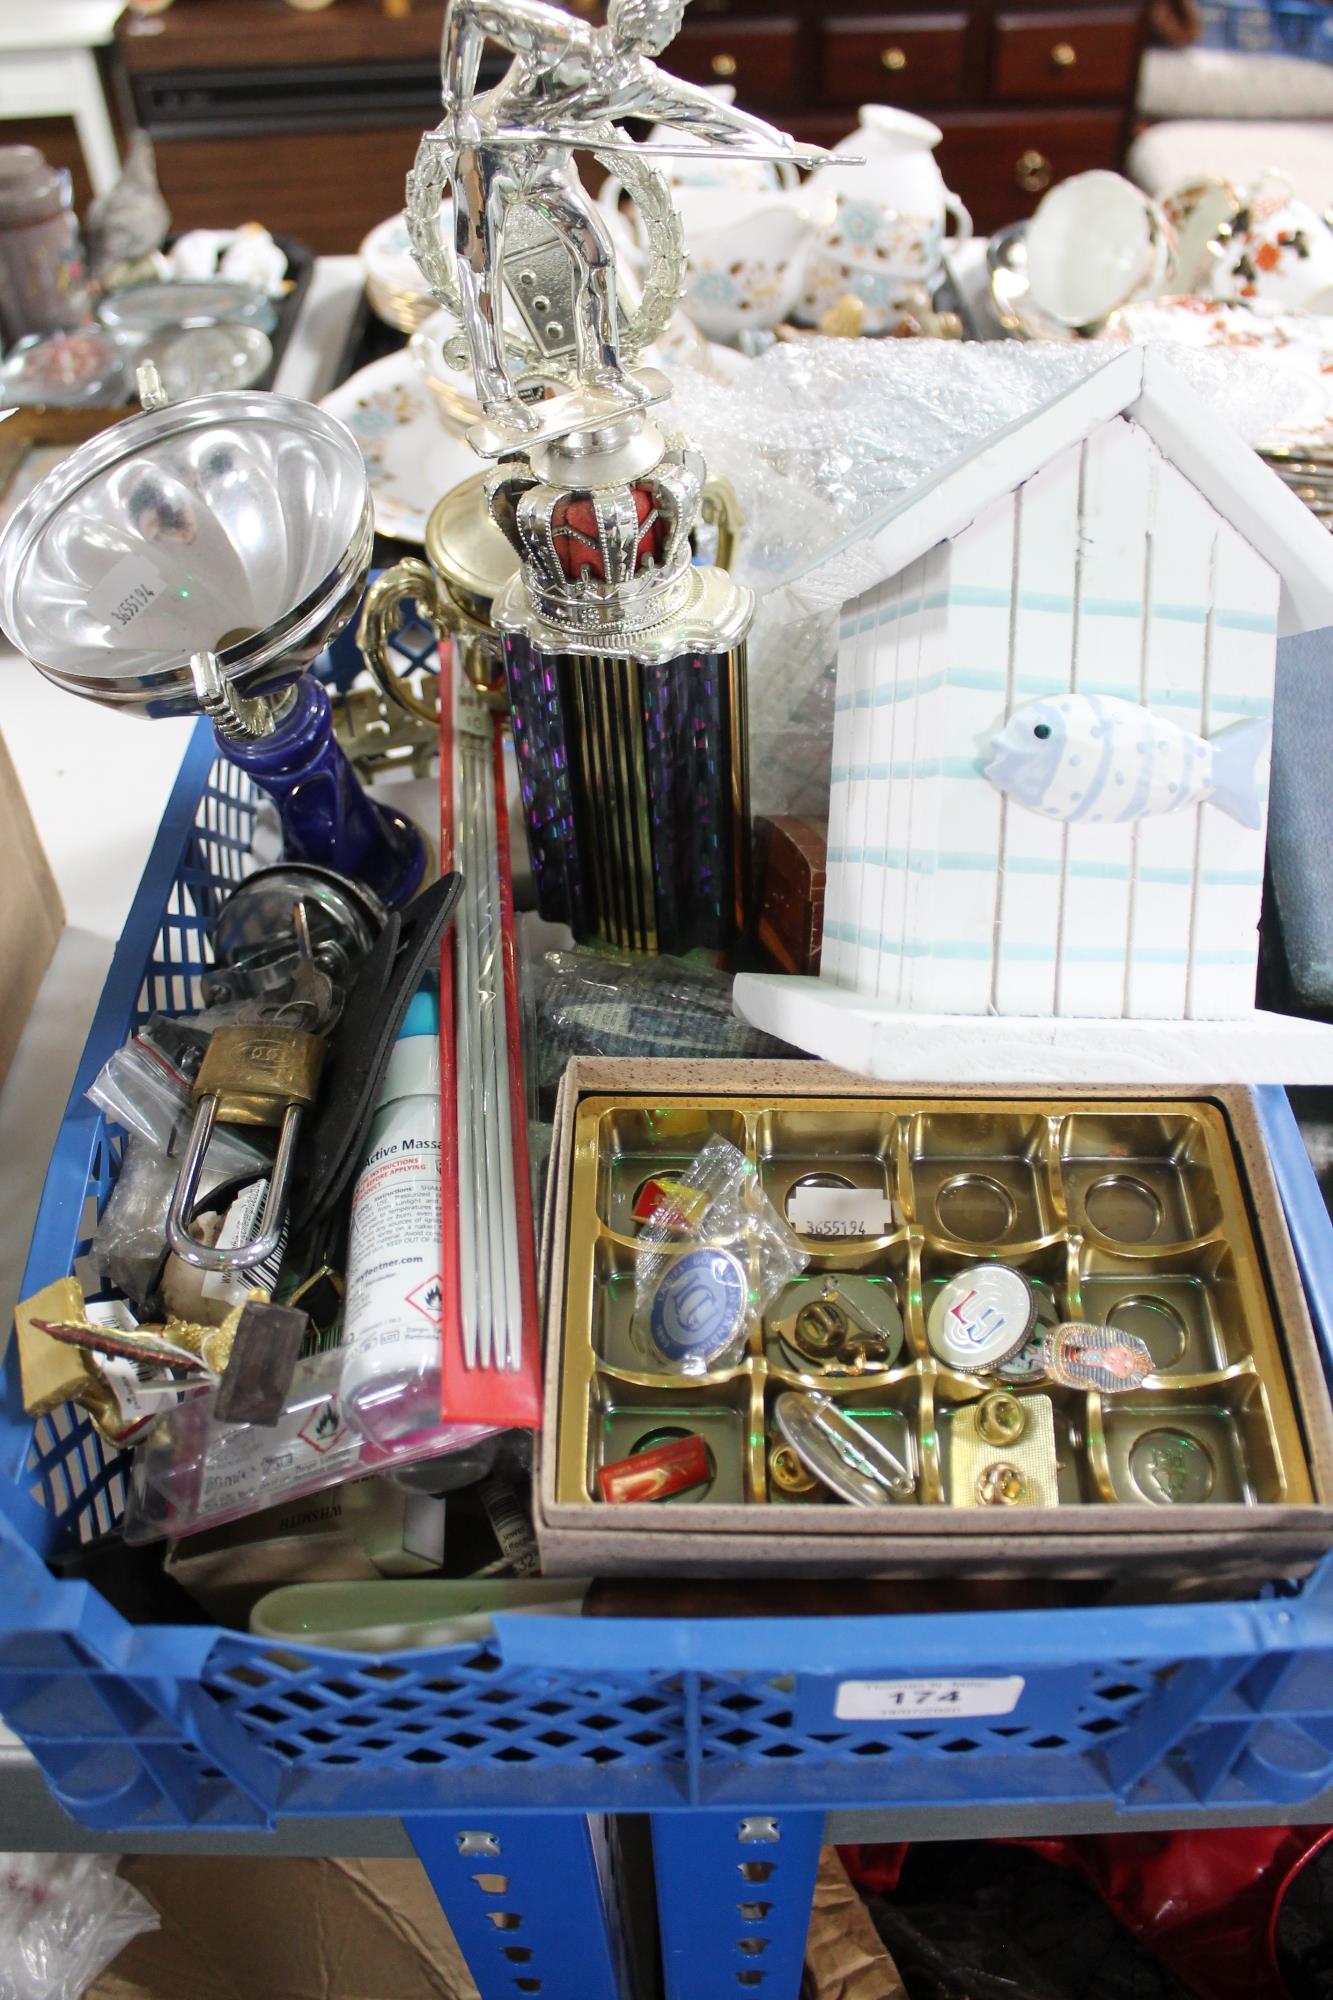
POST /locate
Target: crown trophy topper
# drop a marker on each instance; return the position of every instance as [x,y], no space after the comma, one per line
[625,661]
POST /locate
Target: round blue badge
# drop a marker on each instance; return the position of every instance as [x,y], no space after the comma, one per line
[699,1307]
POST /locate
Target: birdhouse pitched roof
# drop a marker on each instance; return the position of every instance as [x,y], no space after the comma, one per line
[1138,384]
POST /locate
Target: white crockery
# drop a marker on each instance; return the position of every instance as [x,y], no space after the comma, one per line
[885,247]
[747,253]
[1277,248]
[412,457]
[694,166]
[451,390]
[1197,210]
[887,301]
[714,167]
[386,255]
[1095,243]
[893,210]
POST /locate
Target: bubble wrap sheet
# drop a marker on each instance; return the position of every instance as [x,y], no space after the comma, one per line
[819,438]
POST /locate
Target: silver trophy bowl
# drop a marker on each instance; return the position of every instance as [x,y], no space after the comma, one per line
[236,526]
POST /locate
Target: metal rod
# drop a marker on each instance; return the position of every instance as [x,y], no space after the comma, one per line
[477,1086]
[484,997]
[463,1067]
[680,149]
[513,1285]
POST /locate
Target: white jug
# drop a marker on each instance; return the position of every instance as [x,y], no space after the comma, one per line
[886,244]
[892,211]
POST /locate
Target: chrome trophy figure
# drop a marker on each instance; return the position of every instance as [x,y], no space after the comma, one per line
[625,659]
[510,148]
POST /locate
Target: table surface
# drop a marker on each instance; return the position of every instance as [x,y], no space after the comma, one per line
[97,844]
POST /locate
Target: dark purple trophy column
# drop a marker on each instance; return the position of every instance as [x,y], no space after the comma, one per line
[633,783]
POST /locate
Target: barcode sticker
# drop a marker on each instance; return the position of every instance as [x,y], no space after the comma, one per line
[125,592]
[137,1403]
[111,1312]
[242,1226]
[510,1524]
[826,1211]
[937,1695]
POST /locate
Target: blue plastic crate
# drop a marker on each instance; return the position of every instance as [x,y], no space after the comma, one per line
[145,1729]
[1269,27]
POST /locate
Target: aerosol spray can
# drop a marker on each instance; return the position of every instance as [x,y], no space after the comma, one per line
[395,1296]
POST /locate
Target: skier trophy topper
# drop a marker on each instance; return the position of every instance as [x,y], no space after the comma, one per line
[507,154]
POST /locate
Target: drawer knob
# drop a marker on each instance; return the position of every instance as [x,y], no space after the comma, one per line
[722,64]
[1064,55]
[1032,171]
[894,59]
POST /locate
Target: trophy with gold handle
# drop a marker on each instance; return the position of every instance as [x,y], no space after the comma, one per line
[625,658]
[468,562]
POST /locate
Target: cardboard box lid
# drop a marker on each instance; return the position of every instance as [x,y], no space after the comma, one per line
[845,1957]
[287,1929]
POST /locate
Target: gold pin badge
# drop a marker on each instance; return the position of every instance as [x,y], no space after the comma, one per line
[1001,1485]
[1000,1418]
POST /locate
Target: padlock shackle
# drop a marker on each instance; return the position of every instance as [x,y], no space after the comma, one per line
[185,1194]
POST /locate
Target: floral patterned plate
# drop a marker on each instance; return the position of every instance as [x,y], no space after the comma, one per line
[412,458]
[395,287]
[386,254]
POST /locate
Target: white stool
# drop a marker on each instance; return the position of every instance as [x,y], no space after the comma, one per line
[48,70]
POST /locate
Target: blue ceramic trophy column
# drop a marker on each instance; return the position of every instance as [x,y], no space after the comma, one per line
[326,815]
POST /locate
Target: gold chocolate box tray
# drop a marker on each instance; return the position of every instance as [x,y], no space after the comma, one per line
[1154,1213]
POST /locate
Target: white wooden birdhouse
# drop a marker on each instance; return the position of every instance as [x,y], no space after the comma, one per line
[1054,707]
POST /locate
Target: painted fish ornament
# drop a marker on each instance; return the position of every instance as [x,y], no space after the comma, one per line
[1096,758]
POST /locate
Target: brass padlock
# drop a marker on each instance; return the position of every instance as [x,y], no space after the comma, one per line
[256,1073]
[260,1073]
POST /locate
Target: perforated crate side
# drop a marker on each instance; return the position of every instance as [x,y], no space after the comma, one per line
[60,1462]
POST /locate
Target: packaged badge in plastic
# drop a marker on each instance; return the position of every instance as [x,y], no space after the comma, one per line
[713,1254]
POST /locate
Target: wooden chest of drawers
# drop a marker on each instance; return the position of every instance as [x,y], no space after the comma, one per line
[1024,96]
[310,121]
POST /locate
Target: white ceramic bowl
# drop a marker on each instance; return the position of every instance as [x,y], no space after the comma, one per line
[748,252]
[453,392]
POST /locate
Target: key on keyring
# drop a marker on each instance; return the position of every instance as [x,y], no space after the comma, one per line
[263,1073]
[313,1001]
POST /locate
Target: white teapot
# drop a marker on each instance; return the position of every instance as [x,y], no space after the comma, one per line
[891,217]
